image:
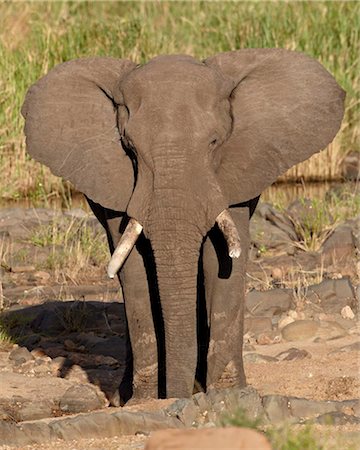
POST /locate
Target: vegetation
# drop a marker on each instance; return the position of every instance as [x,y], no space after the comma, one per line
[286,437]
[74,246]
[36,36]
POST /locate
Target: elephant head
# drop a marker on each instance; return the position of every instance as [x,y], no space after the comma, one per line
[174,143]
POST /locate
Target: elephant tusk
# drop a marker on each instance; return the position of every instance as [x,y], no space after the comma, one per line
[228,228]
[124,247]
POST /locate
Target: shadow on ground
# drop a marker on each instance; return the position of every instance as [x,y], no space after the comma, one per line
[86,341]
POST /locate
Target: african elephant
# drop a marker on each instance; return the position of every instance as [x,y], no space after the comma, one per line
[176,152]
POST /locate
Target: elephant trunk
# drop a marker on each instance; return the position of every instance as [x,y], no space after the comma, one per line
[176,244]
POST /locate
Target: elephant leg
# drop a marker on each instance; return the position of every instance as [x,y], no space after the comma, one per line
[140,304]
[224,280]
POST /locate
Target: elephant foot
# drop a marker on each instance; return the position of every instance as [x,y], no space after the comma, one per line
[145,383]
[231,376]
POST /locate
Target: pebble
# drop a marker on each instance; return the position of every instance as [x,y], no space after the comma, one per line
[42,275]
[285,321]
[347,313]
[277,273]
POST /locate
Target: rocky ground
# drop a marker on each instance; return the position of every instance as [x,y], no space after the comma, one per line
[301,348]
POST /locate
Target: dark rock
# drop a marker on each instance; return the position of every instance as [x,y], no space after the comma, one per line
[113,346]
[278,219]
[332,295]
[339,246]
[266,236]
[30,341]
[81,398]
[20,355]
[269,303]
[293,354]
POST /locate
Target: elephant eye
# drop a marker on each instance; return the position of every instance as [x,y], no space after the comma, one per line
[213,143]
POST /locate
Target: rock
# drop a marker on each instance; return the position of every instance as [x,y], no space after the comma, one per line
[31,410]
[303,408]
[339,245]
[185,410]
[270,337]
[81,398]
[347,312]
[300,329]
[278,219]
[311,329]
[42,275]
[257,325]
[266,236]
[75,373]
[230,400]
[276,408]
[285,321]
[293,354]
[230,438]
[330,330]
[332,295]
[355,347]
[20,355]
[336,418]
[269,303]
[258,358]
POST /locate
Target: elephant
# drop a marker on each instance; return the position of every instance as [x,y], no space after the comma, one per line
[173,156]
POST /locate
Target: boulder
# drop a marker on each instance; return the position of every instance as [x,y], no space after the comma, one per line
[81,398]
[332,295]
[269,303]
[339,246]
[230,438]
[312,329]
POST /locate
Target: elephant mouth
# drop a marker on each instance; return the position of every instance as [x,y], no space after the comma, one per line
[134,229]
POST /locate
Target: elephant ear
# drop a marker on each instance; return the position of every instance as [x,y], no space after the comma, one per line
[71,126]
[285,107]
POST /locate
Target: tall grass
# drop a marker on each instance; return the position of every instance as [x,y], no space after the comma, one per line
[36,36]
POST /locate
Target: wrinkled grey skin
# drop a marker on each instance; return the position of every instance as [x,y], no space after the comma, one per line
[172,144]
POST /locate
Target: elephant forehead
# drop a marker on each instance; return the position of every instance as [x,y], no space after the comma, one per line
[171,73]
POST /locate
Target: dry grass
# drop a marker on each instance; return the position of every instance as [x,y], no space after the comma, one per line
[73,247]
[36,36]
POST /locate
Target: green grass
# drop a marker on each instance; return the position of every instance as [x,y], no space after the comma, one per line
[36,36]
